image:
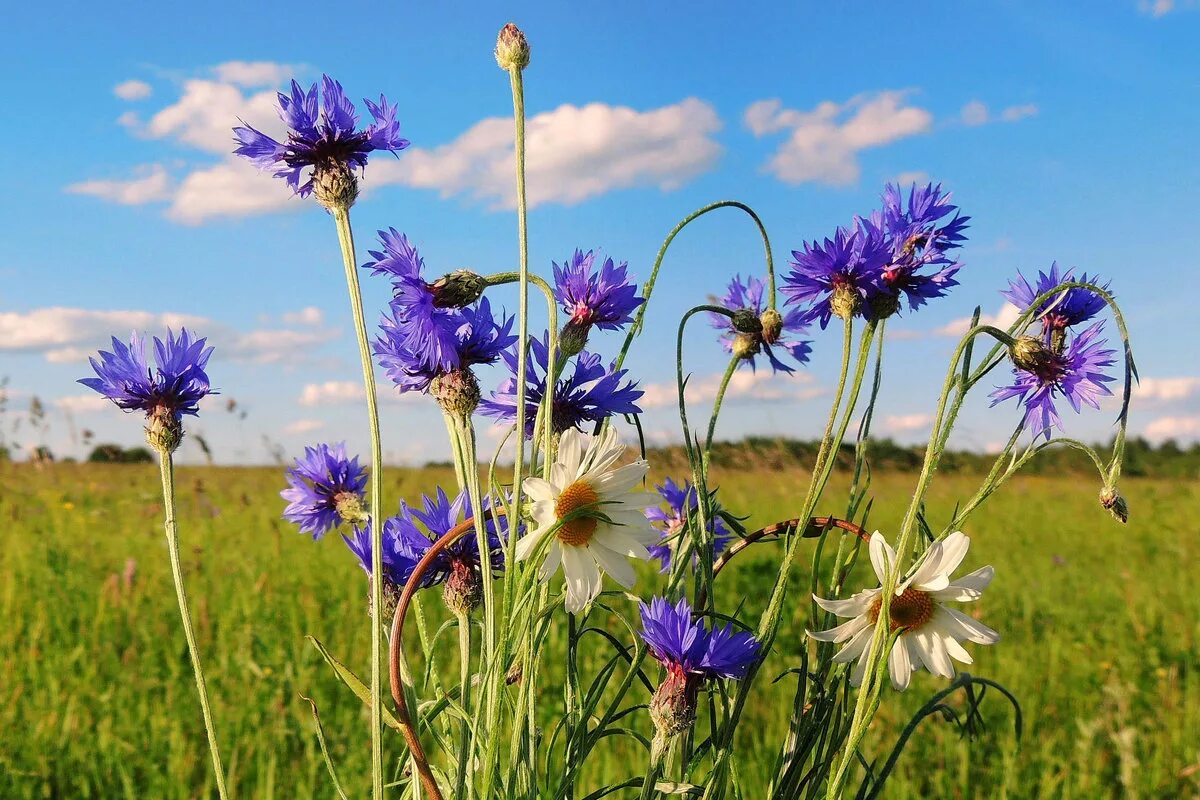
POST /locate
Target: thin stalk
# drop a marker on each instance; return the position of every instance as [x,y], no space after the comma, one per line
[712,421]
[341,218]
[167,468]
[464,670]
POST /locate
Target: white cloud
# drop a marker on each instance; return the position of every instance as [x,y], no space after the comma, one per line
[900,423]
[1166,389]
[909,178]
[204,115]
[974,113]
[824,143]
[275,346]
[230,188]
[151,184]
[745,384]
[254,73]
[573,153]
[1173,428]
[1160,8]
[132,90]
[1003,318]
[340,393]
[303,426]
[83,403]
[310,315]
[1015,113]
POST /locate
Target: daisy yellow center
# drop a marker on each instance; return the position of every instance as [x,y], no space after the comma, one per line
[579,531]
[910,611]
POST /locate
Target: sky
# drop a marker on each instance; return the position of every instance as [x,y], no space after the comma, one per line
[1066,131]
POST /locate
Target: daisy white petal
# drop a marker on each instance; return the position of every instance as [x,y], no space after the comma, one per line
[968,587]
[842,632]
[899,666]
[850,607]
[882,556]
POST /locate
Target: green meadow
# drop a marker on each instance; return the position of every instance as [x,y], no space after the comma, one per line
[1100,626]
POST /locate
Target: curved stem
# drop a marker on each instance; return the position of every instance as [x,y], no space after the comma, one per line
[167,469]
[712,421]
[341,218]
[648,286]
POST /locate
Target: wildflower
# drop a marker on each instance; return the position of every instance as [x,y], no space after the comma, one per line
[1074,373]
[918,238]
[838,275]
[475,338]
[359,543]
[781,332]
[594,514]
[682,502]
[691,655]
[512,49]
[166,393]
[605,299]
[326,140]
[1061,311]
[589,393]
[930,632]
[325,488]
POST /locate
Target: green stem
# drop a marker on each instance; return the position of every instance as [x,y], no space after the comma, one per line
[464,670]
[712,421]
[167,468]
[518,96]
[341,218]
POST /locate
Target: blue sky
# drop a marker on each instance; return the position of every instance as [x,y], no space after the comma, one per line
[1066,131]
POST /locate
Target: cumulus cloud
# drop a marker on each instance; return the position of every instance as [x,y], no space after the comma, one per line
[976,113]
[204,115]
[1006,316]
[762,386]
[900,423]
[150,184]
[1166,389]
[303,426]
[909,178]
[823,143]
[310,315]
[1173,428]
[231,188]
[132,90]
[573,153]
[70,335]
[83,403]
[252,74]
[341,393]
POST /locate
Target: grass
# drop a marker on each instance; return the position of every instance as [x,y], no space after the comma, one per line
[1100,626]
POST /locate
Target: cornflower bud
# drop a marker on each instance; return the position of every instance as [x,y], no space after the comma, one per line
[463,590]
[745,320]
[164,430]
[512,49]
[1115,504]
[457,392]
[845,301]
[460,288]
[1028,353]
[772,325]
[745,345]
[573,338]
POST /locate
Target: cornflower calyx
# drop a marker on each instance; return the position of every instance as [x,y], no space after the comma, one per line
[579,530]
[164,430]
[512,49]
[573,338]
[463,590]
[772,325]
[1030,354]
[745,320]
[457,289]
[1115,504]
[845,301]
[673,707]
[334,184]
[745,345]
[457,392]
[884,304]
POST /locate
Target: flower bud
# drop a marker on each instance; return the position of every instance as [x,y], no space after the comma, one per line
[1028,353]
[164,430]
[746,321]
[457,392]
[512,49]
[460,288]
[1115,504]
[845,301]
[673,707]
[463,590]
[574,338]
[335,185]
[745,345]
[884,304]
[772,325]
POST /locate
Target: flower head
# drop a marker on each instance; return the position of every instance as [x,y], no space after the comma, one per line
[474,337]
[322,138]
[592,514]
[838,276]
[325,488]
[750,295]
[1063,310]
[1075,373]
[918,237]
[931,632]
[588,393]
[606,299]
[172,389]
[682,502]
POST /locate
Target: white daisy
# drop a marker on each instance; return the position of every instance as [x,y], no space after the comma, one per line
[584,476]
[930,631]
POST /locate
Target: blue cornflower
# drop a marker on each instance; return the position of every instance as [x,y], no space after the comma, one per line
[589,393]
[1075,373]
[172,389]
[324,138]
[359,542]
[606,299]
[1059,312]
[918,238]
[750,295]
[476,338]
[839,275]
[682,502]
[325,488]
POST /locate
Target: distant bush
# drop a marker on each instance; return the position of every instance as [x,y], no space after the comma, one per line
[115,454]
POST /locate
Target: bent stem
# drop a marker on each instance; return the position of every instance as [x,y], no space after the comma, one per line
[167,468]
[341,218]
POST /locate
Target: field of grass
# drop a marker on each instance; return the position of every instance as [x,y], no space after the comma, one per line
[1100,623]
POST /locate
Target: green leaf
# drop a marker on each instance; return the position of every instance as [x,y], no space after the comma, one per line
[352,681]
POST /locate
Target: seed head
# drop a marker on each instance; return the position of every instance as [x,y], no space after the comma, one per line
[512,49]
